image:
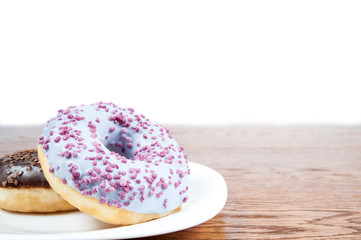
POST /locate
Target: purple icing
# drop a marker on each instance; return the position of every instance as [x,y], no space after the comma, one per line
[117,156]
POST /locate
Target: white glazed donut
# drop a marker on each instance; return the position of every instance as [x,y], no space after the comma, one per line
[114,164]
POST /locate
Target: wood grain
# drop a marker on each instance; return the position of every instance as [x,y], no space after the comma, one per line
[284,182]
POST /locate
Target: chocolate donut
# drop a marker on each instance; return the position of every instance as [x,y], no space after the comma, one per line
[23,186]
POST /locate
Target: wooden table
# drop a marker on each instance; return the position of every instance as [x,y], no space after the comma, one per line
[284,182]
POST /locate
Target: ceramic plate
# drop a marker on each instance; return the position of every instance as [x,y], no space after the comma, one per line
[207,196]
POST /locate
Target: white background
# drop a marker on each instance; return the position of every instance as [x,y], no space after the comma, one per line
[187,62]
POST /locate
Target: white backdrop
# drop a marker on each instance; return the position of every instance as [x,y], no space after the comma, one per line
[188,62]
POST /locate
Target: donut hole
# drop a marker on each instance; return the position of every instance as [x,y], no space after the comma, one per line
[121,144]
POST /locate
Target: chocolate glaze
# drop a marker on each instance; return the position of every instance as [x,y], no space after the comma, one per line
[22,170]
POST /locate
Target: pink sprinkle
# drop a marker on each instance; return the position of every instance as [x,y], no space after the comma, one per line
[76,175]
[164,185]
[123,182]
[109,177]
[95,190]
[124,130]
[102,200]
[111,129]
[67,154]
[154,175]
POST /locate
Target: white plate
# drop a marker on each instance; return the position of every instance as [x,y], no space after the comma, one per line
[207,196]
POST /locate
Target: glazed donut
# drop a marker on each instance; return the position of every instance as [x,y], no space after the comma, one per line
[114,164]
[24,187]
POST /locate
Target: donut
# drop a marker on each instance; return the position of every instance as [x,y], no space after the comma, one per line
[114,164]
[23,185]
